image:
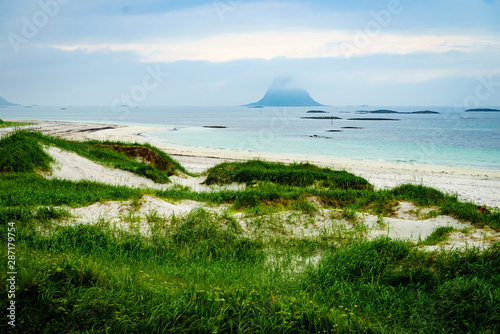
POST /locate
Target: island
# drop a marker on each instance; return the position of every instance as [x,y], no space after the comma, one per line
[282,93]
[482,110]
[386,111]
[5,103]
[317,112]
[373,119]
[321,117]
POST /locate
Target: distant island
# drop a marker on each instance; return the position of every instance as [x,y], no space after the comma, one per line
[321,117]
[5,103]
[386,111]
[281,93]
[317,112]
[482,110]
[373,119]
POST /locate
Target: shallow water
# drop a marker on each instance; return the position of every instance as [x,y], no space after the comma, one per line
[453,137]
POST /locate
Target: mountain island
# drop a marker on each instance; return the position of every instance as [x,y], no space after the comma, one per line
[281,93]
[5,103]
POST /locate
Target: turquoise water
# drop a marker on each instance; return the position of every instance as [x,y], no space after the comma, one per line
[453,137]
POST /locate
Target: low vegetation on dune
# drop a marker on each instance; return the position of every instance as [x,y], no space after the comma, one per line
[297,175]
[140,159]
[238,265]
[22,152]
[6,124]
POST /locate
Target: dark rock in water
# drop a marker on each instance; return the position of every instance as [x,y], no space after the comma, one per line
[351,127]
[381,111]
[482,110]
[282,93]
[317,112]
[386,111]
[5,103]
[321,137]
[215,126]
[334,131]
[425,112]
[373,119]
[321,117]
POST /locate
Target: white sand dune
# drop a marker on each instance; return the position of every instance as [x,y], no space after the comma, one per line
[73,167]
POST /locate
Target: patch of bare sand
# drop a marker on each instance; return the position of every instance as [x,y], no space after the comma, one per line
[130,215]
[73,167]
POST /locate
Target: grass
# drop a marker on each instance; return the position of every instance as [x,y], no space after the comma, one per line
[21,152]
[140,159]
[4,124]
[438,235]
[297,175]
[203,273]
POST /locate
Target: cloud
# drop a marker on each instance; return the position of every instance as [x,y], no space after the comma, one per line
[309,44]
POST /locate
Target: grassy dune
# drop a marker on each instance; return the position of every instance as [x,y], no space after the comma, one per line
[201,273]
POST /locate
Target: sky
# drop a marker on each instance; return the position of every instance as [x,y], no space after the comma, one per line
[228,52]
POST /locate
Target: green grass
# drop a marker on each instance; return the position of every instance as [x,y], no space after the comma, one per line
[438,235]
[4,124]
[22,147]
[21,152]
[196,276]
[297,175]
[202,273]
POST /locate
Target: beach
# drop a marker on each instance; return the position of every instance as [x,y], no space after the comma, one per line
[104,221]
[480,186]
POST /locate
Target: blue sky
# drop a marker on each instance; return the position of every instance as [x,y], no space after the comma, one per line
[396,52]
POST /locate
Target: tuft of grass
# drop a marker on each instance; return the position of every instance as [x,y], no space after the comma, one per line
[439,235]
[297,175]
[21,152]
[4,124]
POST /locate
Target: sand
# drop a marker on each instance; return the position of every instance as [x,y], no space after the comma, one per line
[475,185]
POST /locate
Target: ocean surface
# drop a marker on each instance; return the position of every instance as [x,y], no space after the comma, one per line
[452,138]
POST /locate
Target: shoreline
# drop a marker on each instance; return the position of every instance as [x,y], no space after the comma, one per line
[480,186]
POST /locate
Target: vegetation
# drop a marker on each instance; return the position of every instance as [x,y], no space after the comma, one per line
[4,124]
[297,175]
[141,159]
[440,234]
[204,273]
[22,153]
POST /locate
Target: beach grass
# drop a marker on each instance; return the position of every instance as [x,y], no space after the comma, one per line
[202,273]
[140,159]
[297,175]
[8,124]
[22,152]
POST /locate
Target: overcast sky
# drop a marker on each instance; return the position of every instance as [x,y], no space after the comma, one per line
[151,52]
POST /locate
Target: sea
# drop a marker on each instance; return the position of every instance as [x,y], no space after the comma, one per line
[453,137]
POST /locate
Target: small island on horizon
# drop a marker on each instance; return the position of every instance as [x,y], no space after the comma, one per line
[482,110]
